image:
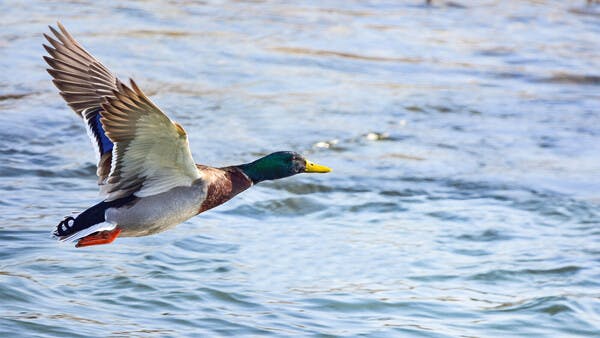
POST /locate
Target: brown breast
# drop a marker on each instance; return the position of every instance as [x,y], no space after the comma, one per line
[223,184]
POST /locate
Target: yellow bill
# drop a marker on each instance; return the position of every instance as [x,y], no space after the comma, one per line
[312,167]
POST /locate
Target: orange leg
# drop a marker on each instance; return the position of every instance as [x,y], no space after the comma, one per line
[97,238]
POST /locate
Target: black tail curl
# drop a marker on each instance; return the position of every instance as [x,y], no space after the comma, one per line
[91,216]
[65,227]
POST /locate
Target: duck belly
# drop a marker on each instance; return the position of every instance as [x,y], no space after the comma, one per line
[153,214]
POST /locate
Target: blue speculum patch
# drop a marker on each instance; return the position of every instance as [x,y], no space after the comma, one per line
[105,144]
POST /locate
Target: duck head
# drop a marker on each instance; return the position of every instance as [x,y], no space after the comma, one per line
[279,165]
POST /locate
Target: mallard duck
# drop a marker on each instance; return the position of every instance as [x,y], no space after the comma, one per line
[145,169]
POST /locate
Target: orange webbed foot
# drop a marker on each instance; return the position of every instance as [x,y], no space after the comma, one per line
[97,238]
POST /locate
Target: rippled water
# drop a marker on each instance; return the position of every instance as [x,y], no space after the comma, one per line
[465,197]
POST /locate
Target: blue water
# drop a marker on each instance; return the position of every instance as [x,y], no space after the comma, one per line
[464,201]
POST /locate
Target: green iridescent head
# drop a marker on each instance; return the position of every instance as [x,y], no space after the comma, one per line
[279,165]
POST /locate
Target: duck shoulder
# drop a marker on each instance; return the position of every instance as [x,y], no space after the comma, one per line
[221,185]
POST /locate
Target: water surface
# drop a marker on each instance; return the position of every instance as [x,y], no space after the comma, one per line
[464,200]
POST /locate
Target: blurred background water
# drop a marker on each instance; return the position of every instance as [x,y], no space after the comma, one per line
[464,201]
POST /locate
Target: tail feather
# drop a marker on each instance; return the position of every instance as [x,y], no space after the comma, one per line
[87,231]
[64,228]
[90,221]
[70,226]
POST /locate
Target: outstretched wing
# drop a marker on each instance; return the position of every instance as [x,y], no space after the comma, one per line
[151,153]
[140,150]
[84,83]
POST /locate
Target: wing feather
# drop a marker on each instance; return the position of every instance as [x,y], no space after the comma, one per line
[140,150]
[84,83]
[151,153]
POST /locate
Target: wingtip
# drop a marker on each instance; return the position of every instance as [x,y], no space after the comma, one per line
[58,24]
[63,29]
[48,49]
[123,90]
[115,91]
[54,31]
[48,37]
[49,60]
[135,87]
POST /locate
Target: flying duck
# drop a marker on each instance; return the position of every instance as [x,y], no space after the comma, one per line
[146,172]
